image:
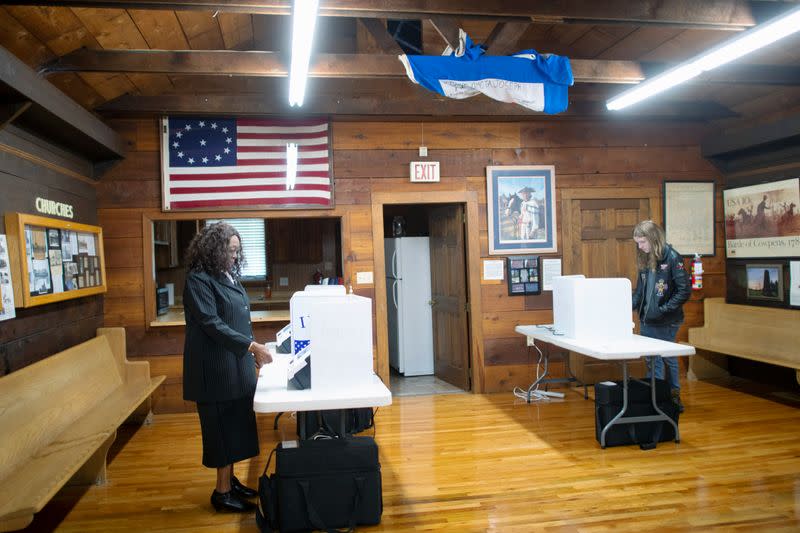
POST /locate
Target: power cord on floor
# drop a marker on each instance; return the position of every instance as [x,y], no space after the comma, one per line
[536,394]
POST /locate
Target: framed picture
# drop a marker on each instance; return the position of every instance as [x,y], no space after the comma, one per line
[763,220]
[765,281]
[689,216]
[521,207]
[524,275]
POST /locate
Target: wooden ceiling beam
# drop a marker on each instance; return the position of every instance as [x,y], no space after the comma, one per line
[404,103]
[11,111]
[448,30]
[504,37]
[720,14]
[274,64]
[377,28]
[63,111]
[369,66]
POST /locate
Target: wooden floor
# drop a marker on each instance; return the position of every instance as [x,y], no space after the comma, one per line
[466,462]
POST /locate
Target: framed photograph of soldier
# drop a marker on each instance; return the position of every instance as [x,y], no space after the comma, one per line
[524,275]
[689,216]
[763,220]
[521,209]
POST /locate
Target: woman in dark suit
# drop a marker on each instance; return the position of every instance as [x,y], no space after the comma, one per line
[220,359]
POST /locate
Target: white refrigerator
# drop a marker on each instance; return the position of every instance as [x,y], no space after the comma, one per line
[408,292]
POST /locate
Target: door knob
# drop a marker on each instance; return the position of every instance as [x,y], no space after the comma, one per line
[431,302]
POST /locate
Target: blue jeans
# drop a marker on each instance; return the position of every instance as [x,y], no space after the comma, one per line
[664,333]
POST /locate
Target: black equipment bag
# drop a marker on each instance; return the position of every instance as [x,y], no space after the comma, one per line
[608,403]
[329,423]
[321,484]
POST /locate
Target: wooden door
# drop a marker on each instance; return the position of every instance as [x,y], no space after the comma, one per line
[597,232]
[449,295]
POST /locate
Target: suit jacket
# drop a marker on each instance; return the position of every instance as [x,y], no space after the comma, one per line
[216,363]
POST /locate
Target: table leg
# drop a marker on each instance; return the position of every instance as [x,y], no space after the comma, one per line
[624,405]
[301,424]
[621,419]
[655,404]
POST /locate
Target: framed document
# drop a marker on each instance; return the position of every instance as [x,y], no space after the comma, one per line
[689,216]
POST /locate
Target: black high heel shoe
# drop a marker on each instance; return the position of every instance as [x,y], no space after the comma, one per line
[230,502]
[242,490]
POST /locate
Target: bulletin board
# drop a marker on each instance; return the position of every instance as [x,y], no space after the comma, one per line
[54,260]
[524,275]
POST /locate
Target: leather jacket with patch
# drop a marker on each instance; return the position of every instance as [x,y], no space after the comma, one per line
[660,295]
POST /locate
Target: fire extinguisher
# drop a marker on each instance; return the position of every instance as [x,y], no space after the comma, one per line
[697,273]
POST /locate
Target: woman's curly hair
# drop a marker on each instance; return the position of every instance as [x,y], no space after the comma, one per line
[208,250]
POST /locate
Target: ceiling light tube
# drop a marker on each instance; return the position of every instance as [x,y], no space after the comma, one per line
[304,18]
[291,165]
[749,41]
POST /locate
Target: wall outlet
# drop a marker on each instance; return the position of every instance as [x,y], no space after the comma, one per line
[283,282]
[423,151]
[363,278]
[530,341]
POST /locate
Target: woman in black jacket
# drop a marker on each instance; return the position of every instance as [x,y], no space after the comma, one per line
[221,359]
[662,287]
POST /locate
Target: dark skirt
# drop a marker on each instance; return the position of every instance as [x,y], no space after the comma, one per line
[229,431]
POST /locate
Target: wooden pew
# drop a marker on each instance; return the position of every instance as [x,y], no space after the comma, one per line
[763,334]
[58,418]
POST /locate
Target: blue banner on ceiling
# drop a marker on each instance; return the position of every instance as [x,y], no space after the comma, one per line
[532,80]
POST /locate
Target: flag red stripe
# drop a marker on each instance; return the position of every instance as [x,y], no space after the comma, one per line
[303,148]
[288,123]
[246,188]
[282,161]
[282,135]
[247,175]
[189,204]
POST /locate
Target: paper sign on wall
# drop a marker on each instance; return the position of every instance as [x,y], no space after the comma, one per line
[6,289]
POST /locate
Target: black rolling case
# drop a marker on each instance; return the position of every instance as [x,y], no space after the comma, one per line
[321,485]
[608,402]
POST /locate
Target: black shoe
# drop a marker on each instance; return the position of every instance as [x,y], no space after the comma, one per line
[242,490]
[230,502]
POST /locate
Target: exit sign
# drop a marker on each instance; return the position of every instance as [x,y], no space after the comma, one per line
[424,171]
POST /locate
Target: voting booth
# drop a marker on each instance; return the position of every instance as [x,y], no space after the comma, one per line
[334,330]
[592,308]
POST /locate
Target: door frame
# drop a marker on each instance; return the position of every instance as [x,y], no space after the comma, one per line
[472,257]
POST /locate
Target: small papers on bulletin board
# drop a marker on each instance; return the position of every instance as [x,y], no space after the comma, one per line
[550,269]
[794,283]
[6,289]
[493,269]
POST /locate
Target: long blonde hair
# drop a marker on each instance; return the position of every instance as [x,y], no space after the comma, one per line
[657,239]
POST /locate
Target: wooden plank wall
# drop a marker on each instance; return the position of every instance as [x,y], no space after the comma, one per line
[373,157]
[30,167]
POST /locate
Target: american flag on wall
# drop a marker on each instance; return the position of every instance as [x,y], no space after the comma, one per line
[225,163]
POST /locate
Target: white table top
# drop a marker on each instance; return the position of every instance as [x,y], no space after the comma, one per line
[272,396]
[632,347]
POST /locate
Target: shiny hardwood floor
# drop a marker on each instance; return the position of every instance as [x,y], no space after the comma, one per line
[464,462]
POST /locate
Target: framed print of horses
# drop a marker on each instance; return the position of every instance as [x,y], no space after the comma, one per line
[763,220]
[521,209]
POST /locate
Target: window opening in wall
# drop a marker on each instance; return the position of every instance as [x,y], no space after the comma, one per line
[253,245]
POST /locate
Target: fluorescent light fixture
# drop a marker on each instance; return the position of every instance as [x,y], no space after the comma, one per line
[304,18]
[291,165]
[749,41]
